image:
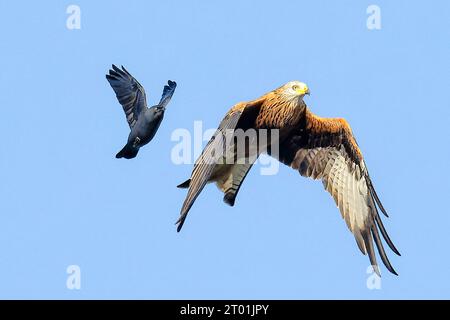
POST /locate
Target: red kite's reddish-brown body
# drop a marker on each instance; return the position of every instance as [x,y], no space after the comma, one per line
[319,148]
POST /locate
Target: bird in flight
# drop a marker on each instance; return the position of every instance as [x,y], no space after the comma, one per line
[143,121]
[319,148]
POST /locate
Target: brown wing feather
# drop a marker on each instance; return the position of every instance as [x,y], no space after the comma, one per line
[326,149]
[204,166]
[242,113]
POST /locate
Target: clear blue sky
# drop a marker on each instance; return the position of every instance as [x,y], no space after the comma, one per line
[65,199]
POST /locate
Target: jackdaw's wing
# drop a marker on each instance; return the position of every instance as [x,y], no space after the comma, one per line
[168,91]
[129,92]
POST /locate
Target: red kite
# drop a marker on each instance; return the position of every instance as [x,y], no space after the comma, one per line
[319,148]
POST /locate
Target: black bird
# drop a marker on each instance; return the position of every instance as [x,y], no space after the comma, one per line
[143,121]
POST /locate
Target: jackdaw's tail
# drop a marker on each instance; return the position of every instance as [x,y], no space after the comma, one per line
[128,152]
